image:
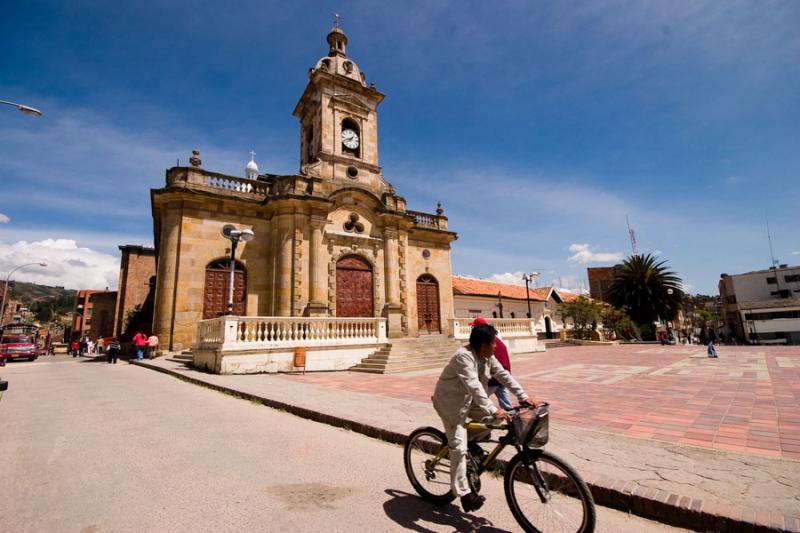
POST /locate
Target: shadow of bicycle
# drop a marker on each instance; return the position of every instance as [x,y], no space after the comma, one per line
[412,512]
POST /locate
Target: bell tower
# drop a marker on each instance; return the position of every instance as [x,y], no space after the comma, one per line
[339,121]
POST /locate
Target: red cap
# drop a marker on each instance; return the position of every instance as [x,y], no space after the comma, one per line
[478,320]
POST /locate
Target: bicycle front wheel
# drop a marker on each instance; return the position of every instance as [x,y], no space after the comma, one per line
[427,462]
[569,506]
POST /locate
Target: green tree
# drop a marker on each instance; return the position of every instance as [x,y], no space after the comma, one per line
[583,313]
[618,322]
[647,289]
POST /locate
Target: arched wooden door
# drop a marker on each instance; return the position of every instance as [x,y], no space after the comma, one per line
[215,297]
[354,292]
[548,327]
[428,318]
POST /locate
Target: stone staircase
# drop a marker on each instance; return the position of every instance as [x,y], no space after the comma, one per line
[410,354]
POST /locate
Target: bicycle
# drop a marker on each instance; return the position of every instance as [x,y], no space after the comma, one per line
[543,492]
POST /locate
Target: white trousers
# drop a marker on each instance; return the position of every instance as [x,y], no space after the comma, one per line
[457,436]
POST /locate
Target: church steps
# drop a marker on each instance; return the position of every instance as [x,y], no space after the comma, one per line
[407,355]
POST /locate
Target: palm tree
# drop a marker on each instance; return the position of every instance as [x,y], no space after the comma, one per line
[647,289]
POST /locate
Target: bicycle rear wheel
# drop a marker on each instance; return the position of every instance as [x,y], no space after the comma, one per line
[427,462]
[570,507]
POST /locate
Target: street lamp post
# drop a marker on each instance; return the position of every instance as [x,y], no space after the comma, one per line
[5,287]
[529,278]
[28,110]
[230,232]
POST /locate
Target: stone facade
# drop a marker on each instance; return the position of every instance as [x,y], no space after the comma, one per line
[306,226]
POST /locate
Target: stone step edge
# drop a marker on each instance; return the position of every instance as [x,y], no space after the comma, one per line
[668,508]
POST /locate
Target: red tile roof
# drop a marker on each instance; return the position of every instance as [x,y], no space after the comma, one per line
[480,287]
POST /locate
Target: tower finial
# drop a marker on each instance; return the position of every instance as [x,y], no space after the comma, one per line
[252,155]
[336,19]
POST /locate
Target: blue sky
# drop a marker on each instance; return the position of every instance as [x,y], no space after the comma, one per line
[539,125]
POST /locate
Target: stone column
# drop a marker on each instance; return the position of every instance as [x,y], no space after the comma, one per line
[393,310]
[317,266]
[166,284]
[284,276]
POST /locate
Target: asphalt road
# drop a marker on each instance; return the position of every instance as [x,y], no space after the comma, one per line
[91,447]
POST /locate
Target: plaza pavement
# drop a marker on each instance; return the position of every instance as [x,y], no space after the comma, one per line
[663,432]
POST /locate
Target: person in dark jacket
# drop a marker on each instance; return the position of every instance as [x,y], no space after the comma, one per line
[112,350]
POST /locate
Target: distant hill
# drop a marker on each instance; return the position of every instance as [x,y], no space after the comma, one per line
[41,299]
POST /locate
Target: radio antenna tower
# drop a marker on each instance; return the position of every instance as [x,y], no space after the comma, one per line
[769,238]
[632,235]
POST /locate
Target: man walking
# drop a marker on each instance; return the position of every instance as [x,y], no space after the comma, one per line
[113,350]
[461,394]
[139,344]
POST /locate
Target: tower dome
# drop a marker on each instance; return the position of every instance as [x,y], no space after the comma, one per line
[251,170]
[337,62]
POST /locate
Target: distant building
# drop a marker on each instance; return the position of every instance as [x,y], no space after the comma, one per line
[103,305]
[83,311]
[136,286]
[473,297]
[600,280]
[763,306]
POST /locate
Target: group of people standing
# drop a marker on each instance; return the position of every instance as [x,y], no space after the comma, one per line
[141,343]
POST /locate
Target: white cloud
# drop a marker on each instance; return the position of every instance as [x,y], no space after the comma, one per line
[509,278]
[583,254]
[4,219]
[796,253]
[570,284]
[68,265]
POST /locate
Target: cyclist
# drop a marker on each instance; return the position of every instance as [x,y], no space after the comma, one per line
[461,394]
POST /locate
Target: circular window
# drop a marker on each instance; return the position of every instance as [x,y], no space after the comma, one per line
[426,254]
[352,172]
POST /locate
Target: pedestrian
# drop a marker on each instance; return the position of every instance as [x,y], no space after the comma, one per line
[100,345]
[139,345]
[90,347]
[501,354]
[113,350]
[83,345]
[152,346]
[74,347]
[712,337]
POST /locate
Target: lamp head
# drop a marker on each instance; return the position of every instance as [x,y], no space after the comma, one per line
[227,229]
[246,235]
[29,110]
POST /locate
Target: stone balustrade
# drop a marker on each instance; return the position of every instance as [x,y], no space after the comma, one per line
[428,220]
[506,327]
[234,333]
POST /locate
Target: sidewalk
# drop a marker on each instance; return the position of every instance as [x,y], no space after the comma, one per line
[683,485]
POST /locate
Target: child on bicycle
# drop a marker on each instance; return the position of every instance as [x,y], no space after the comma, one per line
[461,394]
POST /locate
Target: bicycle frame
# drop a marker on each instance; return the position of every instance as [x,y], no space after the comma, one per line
[536,478]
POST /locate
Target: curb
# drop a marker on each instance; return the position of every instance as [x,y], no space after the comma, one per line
[666,507]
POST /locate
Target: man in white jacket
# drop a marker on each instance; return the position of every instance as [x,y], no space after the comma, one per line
[461,394]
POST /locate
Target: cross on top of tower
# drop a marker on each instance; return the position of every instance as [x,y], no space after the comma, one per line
[336,20]
[252,155]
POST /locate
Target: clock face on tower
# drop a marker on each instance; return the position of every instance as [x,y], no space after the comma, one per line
[350,139]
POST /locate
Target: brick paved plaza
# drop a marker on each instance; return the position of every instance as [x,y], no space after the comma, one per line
[747,401]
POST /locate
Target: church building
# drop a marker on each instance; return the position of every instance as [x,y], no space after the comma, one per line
[334,240]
